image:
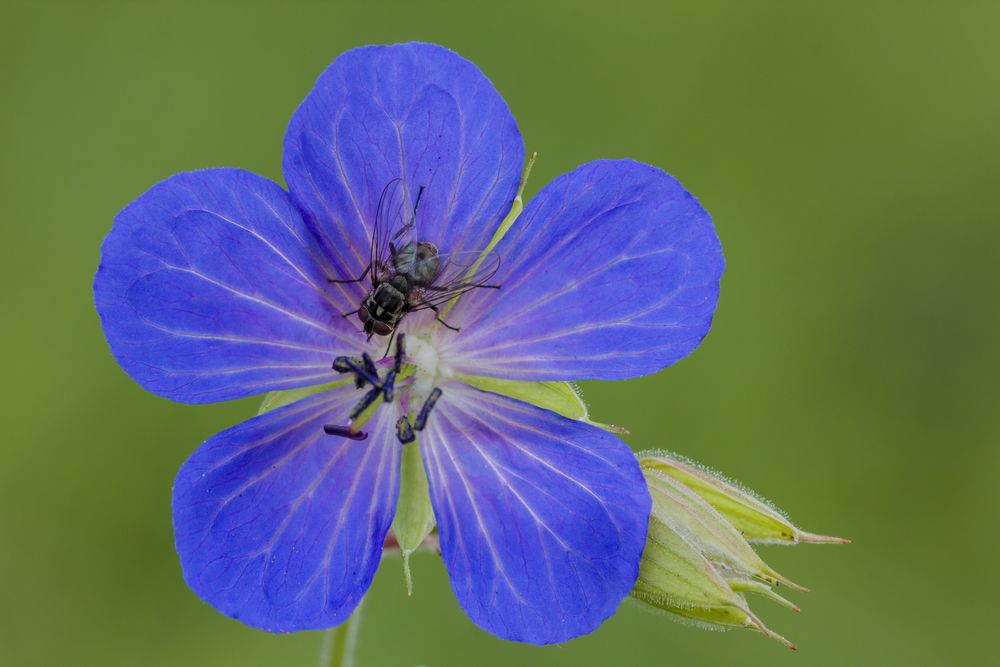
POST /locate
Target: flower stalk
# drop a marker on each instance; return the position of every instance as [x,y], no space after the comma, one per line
[340,642]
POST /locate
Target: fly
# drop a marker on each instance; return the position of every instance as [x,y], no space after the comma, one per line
[408,275]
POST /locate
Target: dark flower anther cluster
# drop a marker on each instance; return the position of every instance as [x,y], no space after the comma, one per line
[366,373]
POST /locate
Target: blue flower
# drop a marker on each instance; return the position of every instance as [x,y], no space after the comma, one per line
[215,285]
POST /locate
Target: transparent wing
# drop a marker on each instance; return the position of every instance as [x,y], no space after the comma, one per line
[393,227]
[457,273]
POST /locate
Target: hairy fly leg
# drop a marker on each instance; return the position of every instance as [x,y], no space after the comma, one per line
[335,281]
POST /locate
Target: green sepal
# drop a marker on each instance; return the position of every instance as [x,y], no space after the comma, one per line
[676,578]
[515,208]
[279,399]
[559,397]
[756,519]
[712,534]
[414,518]
[742,585]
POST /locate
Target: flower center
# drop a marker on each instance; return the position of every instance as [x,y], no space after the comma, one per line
[422,353]
[412,377]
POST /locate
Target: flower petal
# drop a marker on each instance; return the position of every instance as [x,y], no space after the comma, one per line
[542,520]
[211,288]
[280,525]
[611,272]
[413,111]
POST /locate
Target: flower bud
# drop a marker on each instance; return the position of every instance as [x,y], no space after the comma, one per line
[686,512]
[698,563]
[757,519]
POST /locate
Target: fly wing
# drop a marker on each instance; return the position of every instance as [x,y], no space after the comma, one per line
[457,274]
[393,227]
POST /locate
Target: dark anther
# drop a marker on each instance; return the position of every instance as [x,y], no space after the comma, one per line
[344,432]
[369,364]
[362,374]
[425,410]
[404,431]
[365,402]
[363,367]
[400,353]
[388,385]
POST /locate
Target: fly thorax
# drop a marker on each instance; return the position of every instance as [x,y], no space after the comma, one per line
[400,284]
[420,261]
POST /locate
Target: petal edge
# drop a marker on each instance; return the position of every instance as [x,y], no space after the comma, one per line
[281,526]
[542,520]
[611,272]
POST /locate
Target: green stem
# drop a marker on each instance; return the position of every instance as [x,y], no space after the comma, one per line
[340,642]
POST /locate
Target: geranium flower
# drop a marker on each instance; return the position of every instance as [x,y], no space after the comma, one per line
[215,285]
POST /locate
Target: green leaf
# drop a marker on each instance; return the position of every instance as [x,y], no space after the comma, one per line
[414,519]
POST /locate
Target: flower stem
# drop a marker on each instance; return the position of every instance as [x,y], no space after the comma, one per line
[339,642]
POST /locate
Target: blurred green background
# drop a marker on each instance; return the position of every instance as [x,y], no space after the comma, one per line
[848,152]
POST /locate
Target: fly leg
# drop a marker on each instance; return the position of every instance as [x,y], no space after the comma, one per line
[334,281]
[456,287]
[389,346]
[437,316]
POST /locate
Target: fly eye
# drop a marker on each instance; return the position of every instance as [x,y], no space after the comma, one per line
[382,329]
[363,314]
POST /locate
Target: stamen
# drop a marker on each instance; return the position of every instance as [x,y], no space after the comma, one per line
[366,372]
[425,410]
[340,365]
[369,364]
[404,430]
[365,402]
[344,432]
[349,365]
[387,385]
[362,373]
